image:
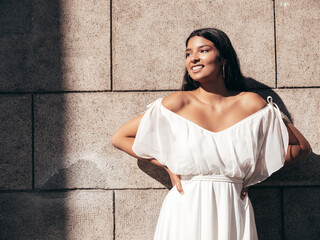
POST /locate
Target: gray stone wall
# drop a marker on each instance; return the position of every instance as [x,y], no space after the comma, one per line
[73,71]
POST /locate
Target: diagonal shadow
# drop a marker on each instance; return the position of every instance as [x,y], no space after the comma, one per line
[30,67]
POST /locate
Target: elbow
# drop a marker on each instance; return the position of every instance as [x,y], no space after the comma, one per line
[114,141]
[297,152]
[305,149]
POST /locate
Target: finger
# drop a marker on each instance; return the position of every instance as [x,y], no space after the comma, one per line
[179,187]
[172,182]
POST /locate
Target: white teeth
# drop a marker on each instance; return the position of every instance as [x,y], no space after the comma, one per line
[197,67]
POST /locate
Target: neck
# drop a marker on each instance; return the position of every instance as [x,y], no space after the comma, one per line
[213,91]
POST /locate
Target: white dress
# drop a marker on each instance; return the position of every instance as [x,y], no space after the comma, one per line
[214,167]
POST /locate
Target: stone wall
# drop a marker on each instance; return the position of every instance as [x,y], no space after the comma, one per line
[73,71]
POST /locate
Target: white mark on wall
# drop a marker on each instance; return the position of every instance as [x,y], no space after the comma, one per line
[284,4]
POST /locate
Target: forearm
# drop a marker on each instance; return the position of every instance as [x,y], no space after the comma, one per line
[125,144]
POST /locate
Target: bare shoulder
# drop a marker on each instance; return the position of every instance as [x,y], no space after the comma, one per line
[253,102]
[175,101]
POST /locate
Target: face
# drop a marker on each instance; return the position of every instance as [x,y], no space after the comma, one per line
[202,59]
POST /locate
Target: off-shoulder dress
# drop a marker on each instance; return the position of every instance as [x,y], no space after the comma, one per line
[214,167]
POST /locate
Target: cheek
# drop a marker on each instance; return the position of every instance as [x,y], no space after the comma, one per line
[187,63]
[213,61]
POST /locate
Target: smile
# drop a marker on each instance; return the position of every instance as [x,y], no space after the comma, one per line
[197,68]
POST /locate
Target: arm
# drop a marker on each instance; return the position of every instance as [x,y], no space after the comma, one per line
[298,147]
[123,139]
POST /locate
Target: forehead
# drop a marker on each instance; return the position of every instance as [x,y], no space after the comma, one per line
[198,41]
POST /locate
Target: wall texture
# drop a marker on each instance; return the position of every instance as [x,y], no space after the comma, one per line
[73,71]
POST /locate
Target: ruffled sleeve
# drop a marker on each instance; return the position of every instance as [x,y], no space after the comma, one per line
[147,143]
[273,141]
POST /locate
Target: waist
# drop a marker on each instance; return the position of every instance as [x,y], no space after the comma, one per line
[214,178]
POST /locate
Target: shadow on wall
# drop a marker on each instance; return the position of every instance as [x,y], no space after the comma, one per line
[30,66]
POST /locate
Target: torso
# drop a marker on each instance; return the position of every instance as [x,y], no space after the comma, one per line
[214,117]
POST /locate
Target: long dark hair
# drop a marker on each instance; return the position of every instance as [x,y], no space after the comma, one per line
[234,80]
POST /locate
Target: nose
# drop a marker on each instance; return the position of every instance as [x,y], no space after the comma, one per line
[194,58]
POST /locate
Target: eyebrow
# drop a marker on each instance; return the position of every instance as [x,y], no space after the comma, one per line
[188,49]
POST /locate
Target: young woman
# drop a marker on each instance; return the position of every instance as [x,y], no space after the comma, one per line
[214,139]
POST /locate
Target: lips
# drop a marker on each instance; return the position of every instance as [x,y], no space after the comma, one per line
[197,68]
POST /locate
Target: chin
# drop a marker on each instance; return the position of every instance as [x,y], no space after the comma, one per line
[200,79]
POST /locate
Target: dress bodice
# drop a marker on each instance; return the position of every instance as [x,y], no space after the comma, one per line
[252,149]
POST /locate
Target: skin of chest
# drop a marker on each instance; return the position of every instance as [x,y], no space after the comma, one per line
[213,119]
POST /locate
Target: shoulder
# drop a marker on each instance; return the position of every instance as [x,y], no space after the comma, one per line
[252,102]
[175,101]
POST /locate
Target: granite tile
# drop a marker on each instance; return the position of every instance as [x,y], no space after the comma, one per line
[298,48]
[56,215]
[137,212]
[15,142]
[148,54]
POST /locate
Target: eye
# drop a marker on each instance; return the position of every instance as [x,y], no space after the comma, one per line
[187,55]
[204,50]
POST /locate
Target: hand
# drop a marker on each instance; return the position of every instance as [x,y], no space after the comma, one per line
[244,193]
[175,180]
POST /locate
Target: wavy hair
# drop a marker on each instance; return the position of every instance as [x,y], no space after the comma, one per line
[234,80]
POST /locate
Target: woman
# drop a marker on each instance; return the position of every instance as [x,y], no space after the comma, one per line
[214,139]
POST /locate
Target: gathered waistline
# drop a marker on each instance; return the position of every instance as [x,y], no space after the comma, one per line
[214,178]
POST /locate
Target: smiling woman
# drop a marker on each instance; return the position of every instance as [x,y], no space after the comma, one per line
[215,140]
[202,59]
[218,44]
